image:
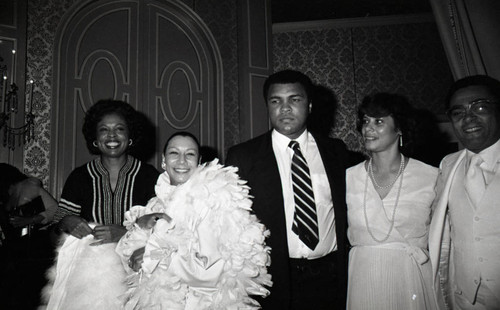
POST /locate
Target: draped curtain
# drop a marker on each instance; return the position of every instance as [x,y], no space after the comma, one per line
[470,32]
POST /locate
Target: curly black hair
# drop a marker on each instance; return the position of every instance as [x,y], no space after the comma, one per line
[106,107]
[289,77]
[396,106]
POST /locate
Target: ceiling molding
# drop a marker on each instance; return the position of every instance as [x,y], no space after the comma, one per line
[353,22]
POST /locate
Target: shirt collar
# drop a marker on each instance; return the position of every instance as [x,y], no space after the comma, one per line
[282,141]
[490,155]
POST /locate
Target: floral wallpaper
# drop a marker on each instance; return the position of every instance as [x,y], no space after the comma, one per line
[43,19]
[356,61]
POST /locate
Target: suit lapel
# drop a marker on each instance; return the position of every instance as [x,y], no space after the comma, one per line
[437,228]
[335,171]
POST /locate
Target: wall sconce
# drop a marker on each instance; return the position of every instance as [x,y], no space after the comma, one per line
[13,136]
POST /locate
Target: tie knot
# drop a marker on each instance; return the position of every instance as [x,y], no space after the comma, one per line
[476,160]
[294,145]
[474,165]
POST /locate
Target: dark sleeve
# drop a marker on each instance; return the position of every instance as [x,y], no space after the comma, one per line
[231,158]
[235,157]
[144,187]
[73,197]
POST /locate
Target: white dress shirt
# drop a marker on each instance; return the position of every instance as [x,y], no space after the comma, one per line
[322,195]
[491,161]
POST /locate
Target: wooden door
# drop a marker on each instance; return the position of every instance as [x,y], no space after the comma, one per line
[157,55]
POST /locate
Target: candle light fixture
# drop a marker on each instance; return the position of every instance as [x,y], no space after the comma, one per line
[14,136]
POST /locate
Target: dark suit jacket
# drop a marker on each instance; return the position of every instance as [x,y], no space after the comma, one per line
[257,164]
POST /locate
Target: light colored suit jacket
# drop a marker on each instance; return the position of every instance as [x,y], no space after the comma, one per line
[439,231]
[440,245]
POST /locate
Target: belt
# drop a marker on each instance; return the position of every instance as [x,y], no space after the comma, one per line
[318,264]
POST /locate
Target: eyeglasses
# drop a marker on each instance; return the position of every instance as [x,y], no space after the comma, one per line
[478,107]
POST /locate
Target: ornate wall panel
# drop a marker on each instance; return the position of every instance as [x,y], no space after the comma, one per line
[44,17]
[255,54]
[157,55]
[221,17]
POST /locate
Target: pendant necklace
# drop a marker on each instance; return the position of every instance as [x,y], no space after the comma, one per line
[370,174]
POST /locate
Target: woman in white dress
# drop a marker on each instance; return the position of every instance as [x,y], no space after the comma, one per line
[389,199]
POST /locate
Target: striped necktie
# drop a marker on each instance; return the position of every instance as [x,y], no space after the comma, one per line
[305,220]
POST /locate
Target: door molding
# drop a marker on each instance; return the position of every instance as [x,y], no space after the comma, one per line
[135,80]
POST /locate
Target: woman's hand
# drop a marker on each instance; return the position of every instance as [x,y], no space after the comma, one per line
[75,226]
[149,220]
[135,261]
[108,233]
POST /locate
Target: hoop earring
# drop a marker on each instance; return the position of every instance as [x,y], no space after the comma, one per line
[401,140]
[130,142]
[94,143]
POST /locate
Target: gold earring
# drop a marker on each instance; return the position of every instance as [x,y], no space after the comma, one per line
[130,142]
[94,143]
[400,140]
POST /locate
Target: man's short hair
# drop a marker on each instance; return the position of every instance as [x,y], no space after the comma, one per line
[289,77]
[488,82]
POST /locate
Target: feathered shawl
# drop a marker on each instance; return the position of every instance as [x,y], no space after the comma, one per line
[212,255]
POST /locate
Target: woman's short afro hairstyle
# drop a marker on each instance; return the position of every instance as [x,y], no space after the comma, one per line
[106,107]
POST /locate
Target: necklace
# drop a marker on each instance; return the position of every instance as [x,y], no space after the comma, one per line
[370,171]
[393,211]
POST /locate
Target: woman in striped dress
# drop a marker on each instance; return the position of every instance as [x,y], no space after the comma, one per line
[102,190]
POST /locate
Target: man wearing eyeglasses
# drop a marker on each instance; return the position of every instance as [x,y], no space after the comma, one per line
[464,237]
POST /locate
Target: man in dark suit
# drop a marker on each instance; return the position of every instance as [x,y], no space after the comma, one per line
[307,274]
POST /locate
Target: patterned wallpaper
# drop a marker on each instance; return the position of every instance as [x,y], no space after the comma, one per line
[356,61]
[43,19]
[351,61]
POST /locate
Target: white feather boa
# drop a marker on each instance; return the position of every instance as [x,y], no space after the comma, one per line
[84,277]
[211,256]
[213,253]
